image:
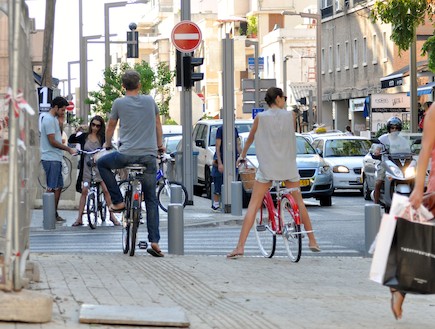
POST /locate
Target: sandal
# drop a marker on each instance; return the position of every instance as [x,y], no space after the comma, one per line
[155,251]
[115,222]
[397,299]
[76,223]
[234,254]
[120,207]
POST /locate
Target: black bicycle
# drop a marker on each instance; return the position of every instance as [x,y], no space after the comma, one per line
[95,201]
[132,212]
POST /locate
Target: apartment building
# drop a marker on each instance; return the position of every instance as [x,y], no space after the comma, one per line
[359,65]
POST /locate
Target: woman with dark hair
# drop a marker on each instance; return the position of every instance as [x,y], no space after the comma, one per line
[89,141]
[275,144]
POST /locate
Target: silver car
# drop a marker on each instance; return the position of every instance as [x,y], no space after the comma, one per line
[344,154]
[316,175]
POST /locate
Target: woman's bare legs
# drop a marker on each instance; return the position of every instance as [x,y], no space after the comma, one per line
[258,192]
[312,243]
[79,220]
[109,202]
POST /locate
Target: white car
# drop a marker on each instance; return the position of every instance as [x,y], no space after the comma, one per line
[204,141]
[345,156]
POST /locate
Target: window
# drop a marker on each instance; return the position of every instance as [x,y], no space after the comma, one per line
[375,49]
[355,53]
[337,59]
[331,60]
[323,60]
[384,47]
[346,55]
[364,52]
[326,3]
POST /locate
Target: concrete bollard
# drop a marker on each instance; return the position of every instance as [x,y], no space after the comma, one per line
[236,198]
[175,229]
[176,194]
[372,215]
[49,211]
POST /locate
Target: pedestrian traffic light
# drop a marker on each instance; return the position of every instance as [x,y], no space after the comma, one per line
[132,42]
[189,74]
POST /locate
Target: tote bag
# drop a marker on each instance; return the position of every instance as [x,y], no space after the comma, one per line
[411,261]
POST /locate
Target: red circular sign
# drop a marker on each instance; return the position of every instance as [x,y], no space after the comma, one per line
[70,107]
[186,36]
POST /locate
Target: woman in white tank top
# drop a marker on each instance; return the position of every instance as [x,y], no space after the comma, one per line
[275,144]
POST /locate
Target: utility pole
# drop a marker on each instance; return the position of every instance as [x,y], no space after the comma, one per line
[47,56]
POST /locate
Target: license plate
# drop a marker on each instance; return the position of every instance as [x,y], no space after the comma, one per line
[304,182]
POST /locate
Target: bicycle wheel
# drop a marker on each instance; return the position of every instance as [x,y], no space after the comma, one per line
[66,172]
[134,227]
[91,210]
[291,228]
[164,195]
[263,228]
[102,206]
[126,224]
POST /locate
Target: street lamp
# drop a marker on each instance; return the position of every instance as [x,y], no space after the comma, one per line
[318,18]
[249,43]
[107,6]
[284,75]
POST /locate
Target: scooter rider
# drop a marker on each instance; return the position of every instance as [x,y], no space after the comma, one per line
[395,144]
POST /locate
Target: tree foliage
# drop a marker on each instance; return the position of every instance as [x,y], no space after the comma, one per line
[405,16]
[153,81]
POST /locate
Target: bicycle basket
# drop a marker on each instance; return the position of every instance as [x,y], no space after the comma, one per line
[247,176]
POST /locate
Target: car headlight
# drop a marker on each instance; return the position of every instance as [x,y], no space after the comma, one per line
[341,169]
[324,170]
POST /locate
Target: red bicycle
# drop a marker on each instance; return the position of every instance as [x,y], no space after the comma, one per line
[279,217]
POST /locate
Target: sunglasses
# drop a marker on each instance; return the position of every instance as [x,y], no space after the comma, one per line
[95,125]
[394,128]
[285,98]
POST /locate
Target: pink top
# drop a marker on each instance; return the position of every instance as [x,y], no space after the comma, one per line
[431,183]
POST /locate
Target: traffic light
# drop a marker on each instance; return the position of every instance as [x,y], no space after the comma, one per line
[133,48]
[189,74]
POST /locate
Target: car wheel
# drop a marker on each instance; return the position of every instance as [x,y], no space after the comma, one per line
[207,183]
[366,190]
[326,201]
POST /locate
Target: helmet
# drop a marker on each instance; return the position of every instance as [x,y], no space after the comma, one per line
[394,121]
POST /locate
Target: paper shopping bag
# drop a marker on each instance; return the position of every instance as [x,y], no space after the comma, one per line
[382,250]
[411,261]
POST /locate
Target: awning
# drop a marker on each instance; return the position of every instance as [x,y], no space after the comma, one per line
[425,89]
[38,80]
[396,78]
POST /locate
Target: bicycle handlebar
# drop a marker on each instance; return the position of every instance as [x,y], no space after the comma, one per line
[89,152]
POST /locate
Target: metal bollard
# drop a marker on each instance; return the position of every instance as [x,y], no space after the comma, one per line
[236,198]
[175,229]
[212,193]
[176,194]
[49,211]
[372,215]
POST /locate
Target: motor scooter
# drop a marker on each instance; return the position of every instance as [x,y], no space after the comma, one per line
[400,169]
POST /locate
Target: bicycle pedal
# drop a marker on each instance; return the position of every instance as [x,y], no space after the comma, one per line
[142,245]
[261,228]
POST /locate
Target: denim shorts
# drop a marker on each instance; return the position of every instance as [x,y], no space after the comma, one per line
[53,173]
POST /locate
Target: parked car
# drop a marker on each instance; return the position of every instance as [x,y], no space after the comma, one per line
[370,164]
[311,136]
[172,130]
[345,156]
[316,175]
[204,142]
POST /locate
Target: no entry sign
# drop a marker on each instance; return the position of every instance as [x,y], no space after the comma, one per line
[186,36]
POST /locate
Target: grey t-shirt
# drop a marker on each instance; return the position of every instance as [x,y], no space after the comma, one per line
[137,124]
[50,125]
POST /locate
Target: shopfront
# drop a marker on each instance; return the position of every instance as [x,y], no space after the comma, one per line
[385,106]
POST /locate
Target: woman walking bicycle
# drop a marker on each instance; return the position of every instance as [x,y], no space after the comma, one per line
[90,141]
[275,143]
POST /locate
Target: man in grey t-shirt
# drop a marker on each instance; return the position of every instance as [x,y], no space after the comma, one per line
[52,149]
[140,137]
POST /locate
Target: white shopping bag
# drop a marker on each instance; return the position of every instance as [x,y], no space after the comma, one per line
[400,207]
[383,245]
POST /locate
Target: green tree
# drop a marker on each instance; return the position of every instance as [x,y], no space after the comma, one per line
[153,81]
[405,16]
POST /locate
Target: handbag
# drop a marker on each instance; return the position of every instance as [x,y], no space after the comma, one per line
[411,262]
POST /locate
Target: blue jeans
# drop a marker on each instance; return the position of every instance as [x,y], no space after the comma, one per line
[116,160]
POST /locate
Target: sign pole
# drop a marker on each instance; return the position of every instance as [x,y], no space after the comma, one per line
[186,120]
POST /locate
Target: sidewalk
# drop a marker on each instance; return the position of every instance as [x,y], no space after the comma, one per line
[215,292]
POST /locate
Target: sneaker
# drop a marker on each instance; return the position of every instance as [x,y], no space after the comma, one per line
[60,219]
[216,209]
